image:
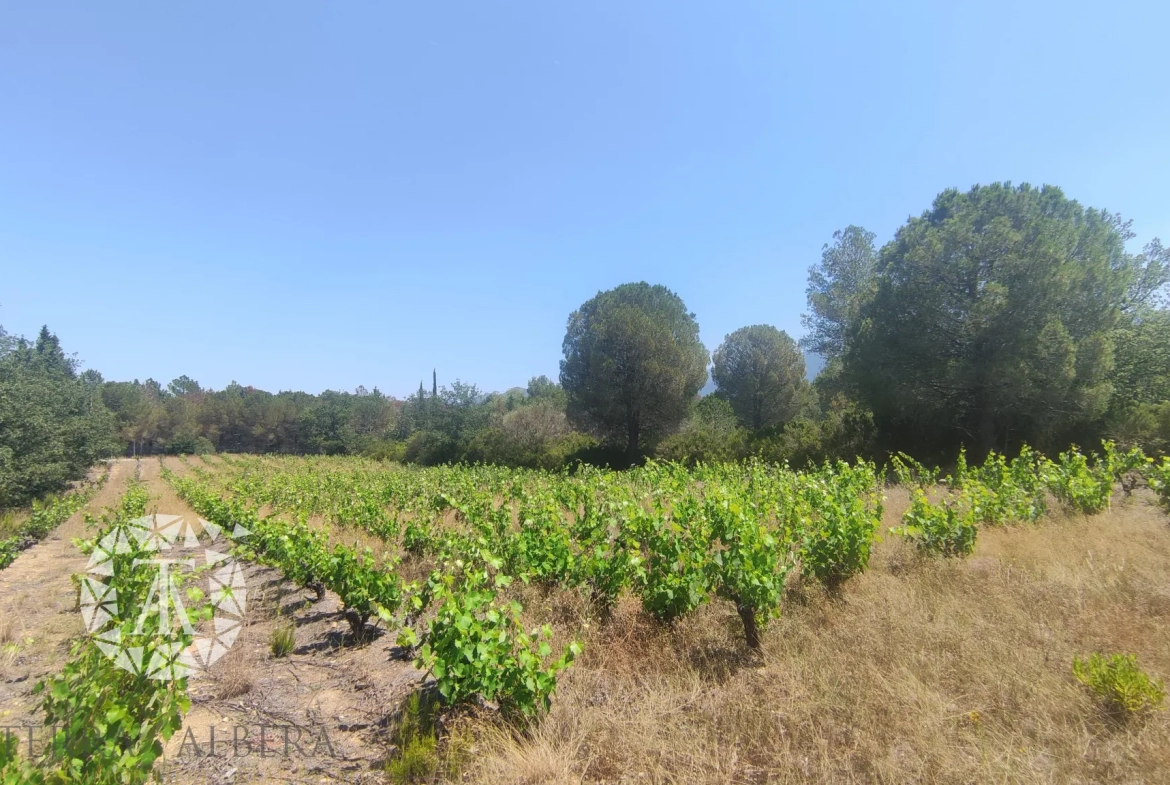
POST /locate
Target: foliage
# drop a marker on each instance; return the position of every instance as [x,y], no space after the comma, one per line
[1079,484]
[108,723]
[709,435]
[912,473]
[364,588]
[675,579]
[749,564]
[1158,476]
[1126,467]
[1118,681]
[632,364]
[943,529]
[303,555]
[992,319]
[760,371]
[1146,425]
[1003,492]
[845,431]
[844,510]
[837,287]
[53,425]
[47,514]
[1141,370]
[476,646]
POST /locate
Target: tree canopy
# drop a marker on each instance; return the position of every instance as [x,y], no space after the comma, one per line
[53,425]
[991,320]
[632,364]
[760,371]
[836,288]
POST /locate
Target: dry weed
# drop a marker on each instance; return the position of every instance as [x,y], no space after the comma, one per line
[921,671]
[235,677]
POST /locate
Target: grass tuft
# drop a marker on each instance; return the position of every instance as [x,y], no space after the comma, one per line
[283,640]
[417,759]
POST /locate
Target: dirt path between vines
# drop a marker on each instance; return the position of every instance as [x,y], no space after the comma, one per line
[38,615]
[325,710]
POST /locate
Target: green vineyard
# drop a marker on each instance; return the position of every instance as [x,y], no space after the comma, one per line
[674,537]
[433,556]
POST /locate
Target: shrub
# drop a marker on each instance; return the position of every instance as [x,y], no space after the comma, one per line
[1120,683]
[710,435]
[477,646]
[1125,467]
[842,508]
[1158,476]
[945,529]
[751,564]
[385,450]
[674,579]
[1079,485]
[189,443]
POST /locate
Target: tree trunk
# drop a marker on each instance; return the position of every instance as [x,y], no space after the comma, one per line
[632,443]
[986,430]
[750,630]
[318,588]
[357,623]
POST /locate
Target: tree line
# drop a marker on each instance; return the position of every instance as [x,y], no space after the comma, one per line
[1002,315]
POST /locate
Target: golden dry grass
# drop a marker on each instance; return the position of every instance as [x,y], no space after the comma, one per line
[920,671]
[235,678]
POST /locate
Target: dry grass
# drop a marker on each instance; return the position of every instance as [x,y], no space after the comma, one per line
[9,647]
[921,671]
[235,676]
[11,521]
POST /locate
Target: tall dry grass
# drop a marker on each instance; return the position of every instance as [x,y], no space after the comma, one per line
[930,671]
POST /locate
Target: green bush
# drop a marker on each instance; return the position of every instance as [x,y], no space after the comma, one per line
[846,431]
[477,646]
[430,448]
[1118,681]
[841,513]
[673,580]
[709,435]
[1158,476]
[1146,425]
[110,724]
[188,443]
[943,529]
[385,450]
[1078,484]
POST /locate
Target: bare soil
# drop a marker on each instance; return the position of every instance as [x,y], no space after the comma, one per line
[326,709]
[38,606]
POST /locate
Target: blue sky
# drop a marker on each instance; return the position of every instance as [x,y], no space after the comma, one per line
[320,195]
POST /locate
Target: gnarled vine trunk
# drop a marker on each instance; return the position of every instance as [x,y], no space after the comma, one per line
[751,630]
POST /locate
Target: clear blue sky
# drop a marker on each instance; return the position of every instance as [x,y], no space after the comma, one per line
[320,195]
